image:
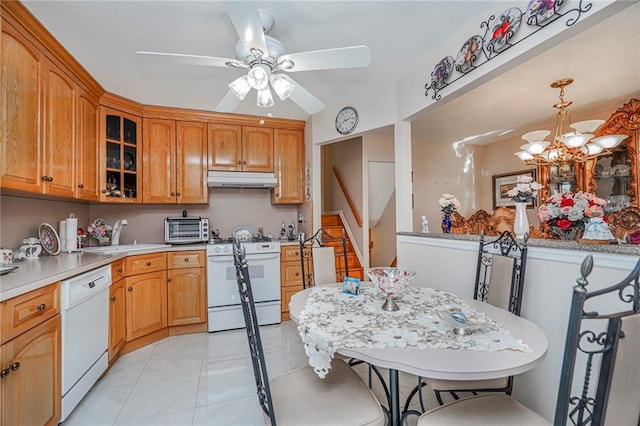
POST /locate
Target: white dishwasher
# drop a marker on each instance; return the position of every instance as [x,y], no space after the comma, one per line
[85,334]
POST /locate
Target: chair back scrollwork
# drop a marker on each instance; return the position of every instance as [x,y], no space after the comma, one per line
[322,238]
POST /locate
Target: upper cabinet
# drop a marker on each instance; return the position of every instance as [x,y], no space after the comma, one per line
[87,149]
[120,148]
[240,148]
[174,162]
[614,177]
[289,167]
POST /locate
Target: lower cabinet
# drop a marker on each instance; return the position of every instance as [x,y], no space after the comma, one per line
[30,376]
[117,326]
[290,276]
[146,304]
[186,295]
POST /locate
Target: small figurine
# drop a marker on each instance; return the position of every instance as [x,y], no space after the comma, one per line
[425,225]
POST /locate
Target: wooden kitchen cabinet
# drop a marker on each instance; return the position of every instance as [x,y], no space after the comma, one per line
[120,156]
[86,151]
[21,103]
[289,167]
[240,148]
[145,304]
[30,358]
[174,162]
[144,263]
[117,318]
[186,288]
[290,276]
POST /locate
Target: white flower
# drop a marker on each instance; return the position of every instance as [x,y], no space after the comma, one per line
[319,351]
[576,213]
[396,337]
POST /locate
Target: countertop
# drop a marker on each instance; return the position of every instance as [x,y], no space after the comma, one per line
[628,249]
[33,274]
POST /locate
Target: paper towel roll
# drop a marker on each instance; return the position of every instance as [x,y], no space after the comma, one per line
[71,241]
[62,233]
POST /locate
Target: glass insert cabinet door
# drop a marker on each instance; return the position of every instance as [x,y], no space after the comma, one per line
[120,137]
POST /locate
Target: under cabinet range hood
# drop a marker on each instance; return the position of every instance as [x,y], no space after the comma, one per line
[241,180]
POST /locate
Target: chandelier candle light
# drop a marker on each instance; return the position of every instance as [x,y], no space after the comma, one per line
[578,145]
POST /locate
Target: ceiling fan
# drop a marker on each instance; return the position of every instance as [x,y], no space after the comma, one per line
[267,62]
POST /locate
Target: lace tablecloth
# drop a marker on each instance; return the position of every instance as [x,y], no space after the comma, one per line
[332,320]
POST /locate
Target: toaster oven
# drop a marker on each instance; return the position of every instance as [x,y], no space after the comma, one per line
[186,230]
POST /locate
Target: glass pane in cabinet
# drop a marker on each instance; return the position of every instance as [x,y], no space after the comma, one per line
[562,178]
[130,131]
[613,178]
[113,184]
[130,158]
[113,155]
[113,127]
[130,185]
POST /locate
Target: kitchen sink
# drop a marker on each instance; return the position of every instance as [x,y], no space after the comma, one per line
[124,248]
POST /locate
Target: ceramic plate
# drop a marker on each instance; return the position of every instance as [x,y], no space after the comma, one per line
[441,72]
[243,233]
[539,11]
[468,53]
[503,29]
[49,239]
[7,269]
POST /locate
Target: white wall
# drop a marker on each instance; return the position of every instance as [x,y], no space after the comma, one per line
[550,275]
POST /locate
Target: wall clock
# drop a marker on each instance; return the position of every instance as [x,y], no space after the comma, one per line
[346,120]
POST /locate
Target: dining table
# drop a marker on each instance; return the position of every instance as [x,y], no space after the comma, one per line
[416,339]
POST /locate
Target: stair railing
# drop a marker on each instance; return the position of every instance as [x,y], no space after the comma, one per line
[343,187]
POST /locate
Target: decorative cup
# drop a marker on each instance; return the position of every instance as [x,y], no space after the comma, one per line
[6,257]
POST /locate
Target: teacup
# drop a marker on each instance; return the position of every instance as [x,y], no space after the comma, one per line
[6,257]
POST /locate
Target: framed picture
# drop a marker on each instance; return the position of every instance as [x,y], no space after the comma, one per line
[503,183]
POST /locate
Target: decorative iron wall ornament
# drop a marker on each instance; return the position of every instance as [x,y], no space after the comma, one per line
[498,32]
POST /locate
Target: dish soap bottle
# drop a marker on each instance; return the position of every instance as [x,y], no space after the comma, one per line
[283,231]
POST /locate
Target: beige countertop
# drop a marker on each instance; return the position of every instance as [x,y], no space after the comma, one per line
[33,274]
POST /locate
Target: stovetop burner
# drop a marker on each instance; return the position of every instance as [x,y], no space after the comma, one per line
[229,240]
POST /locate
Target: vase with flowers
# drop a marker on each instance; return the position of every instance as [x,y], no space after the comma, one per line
[568,212]
[448,204]
[101,231]
[523,193]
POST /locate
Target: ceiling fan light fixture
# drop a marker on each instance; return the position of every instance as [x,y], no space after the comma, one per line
[282,86]
[285,64]
[265,98]
[240,87]
[258,77]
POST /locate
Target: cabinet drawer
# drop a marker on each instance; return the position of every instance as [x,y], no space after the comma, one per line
[143,263]
[291,273]
[186,259]
[290,253]
[28,310]
[117,270]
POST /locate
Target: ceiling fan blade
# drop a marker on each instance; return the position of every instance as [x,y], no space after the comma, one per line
[342,57]
[303,97]
[229,103]
[246,20]
[180,59]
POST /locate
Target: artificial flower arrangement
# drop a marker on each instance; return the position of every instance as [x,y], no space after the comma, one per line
[449,203]
[570,211]
[526,189]
[100,230]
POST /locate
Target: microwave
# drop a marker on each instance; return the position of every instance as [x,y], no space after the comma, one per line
[186,230]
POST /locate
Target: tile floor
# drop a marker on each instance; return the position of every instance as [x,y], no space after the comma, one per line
[199,379]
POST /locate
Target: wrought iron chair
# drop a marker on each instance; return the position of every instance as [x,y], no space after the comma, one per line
[499,281]
[300,396]
[603,341]
[323,259]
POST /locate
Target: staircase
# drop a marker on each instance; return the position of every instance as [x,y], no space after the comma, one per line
[332,224]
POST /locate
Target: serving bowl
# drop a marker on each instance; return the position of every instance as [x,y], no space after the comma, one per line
[391,283]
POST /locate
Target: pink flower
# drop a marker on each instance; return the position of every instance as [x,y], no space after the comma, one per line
[543,215]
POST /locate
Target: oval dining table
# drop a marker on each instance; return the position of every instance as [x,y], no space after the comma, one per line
[449,364]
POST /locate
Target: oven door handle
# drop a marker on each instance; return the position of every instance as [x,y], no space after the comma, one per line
[250,257]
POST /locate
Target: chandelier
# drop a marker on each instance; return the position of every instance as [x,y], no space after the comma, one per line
[258,78]
[578,145]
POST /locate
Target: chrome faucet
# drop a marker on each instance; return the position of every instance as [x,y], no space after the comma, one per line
[117,228]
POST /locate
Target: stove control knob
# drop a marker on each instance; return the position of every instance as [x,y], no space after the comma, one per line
[227,249]
[216,249]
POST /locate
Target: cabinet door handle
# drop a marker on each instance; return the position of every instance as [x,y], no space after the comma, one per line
[44,178]
[104,191]
[169,280]
[178,194]
[113,298]
[239,162]
[173,194]
[41,307]
[15,366]
[120,270]
[50,179]
[4,373]
[130,289]
[186,259]
[244,162]
[81,186]
[148,263]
